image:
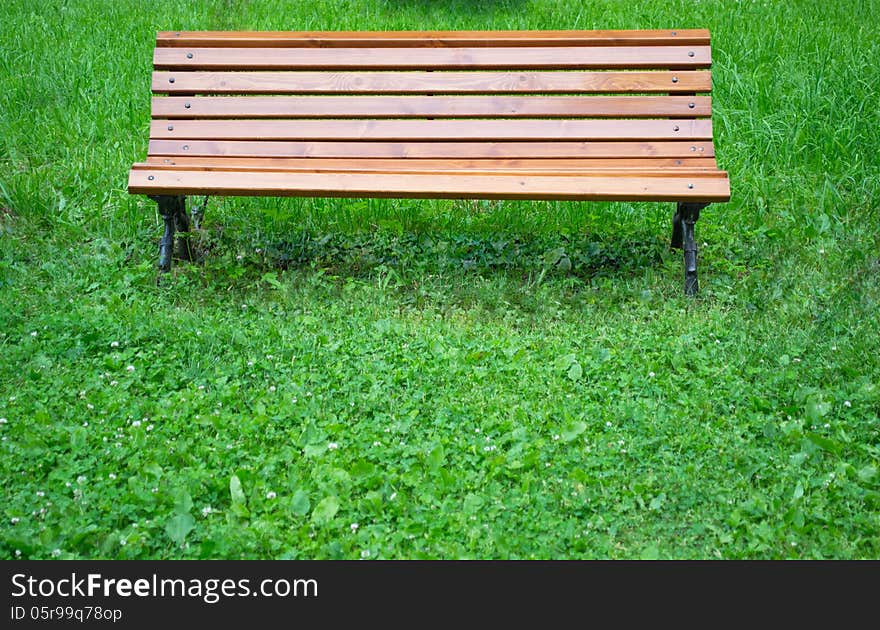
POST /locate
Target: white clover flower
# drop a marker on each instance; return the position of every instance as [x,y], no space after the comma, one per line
[271,389]
[136,423]
[476,430]
[86,423]
[56,553]
[651,375]
[250,364]
[555,437]
[269,357]
[608,424]
[14,520]
[354,527]
[293,400]
[149,427]
[122,542]
[847,403]
[3,420]
[207,510]
[364,554]
[114,383]
[114,344]
[271,495]
[40,493]
[81,479]
[333,446]
[201,387]
[377,443]
[90,406]
[111,476]
[129,368]
[34,334]
[18,551]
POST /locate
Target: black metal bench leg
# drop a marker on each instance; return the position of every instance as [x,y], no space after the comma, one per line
[172,208]
[182,249]
[686,215]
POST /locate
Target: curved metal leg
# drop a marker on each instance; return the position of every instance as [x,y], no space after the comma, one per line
[171,208]
[686,216]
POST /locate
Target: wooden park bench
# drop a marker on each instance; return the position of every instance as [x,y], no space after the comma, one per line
[531,115]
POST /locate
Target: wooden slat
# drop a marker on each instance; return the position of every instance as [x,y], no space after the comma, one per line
[623,188]
[548,58]
[430,82]
[549,164]
[181,107]
[407,166]
[418,150]
[386,39]
[414,130]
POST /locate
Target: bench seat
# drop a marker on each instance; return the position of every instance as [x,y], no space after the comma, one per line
[529,115]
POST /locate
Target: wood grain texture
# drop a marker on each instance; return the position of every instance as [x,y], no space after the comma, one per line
[407,185]
[418,150]
[547,58]
[415,82]
[386,39]
[545,164]
[184,107]
[429,130]
[408,166]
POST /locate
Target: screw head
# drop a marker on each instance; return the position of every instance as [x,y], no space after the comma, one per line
[675,128]
[151,177]
[674,33]
[691,53]
[190,55]
[692,105]
[170,127]
[693,148]
[170,79]
[690,186]
[674,80]
[187,105]
[186,148]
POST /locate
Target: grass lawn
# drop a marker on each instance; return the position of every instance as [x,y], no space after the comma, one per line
[408,379]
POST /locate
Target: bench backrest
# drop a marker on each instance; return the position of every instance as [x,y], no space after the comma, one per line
[626,96]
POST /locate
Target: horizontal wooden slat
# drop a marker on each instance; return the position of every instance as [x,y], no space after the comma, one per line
[380,164]
[407,166]
[386,39]
[417,150]
[182,107]
[414,130]
[549,58]
[407,185]
[430,82]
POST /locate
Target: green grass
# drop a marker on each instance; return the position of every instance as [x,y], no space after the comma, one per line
[502,380]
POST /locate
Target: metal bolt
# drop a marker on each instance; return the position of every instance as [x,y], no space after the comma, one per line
[691,53]
[151,177]
[187,105]
[186,148]
[678,162]
[177,34]
[674,80]
[692,105]
[692,148]
[674,33]
[170,79]
[170,127]
[690,186]
[190,55]
[675,128]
